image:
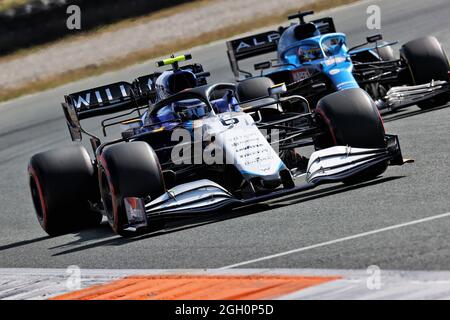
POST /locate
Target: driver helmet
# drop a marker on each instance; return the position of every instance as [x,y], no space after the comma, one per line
[302,57]
[308,53]
[172,82]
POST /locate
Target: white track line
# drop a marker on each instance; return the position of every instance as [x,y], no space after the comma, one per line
[323,244]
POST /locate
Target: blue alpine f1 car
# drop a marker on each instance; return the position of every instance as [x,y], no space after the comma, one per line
[314,60]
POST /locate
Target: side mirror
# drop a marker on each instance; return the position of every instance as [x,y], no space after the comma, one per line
[263,65]
[374,38]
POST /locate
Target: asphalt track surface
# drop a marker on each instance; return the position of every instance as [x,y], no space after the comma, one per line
[409,193]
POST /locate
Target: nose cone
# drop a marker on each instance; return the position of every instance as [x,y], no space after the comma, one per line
[340,72]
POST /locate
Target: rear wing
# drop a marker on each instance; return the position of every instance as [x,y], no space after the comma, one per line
[252,46]
[116,97]
[121,96]
[102,100]
[95,102]
[105,100]
[262,43]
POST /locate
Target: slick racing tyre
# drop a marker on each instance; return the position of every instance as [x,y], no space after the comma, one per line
[427,61]
[128,169]
[63,185]
[350,118]
[255,88]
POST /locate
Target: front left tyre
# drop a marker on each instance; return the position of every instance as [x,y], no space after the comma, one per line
[351,118]
[63,186]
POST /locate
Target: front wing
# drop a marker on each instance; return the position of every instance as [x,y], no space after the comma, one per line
[406,96]
[204,196]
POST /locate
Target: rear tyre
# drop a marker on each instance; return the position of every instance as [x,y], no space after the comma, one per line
[128,169]
[427,61]
[253,88]
[63,185]
[351,118]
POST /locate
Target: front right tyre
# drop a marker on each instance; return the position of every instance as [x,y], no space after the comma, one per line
[427,61]
[63,186]
[129,169]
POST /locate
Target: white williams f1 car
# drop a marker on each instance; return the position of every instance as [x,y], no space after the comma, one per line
[148,175]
